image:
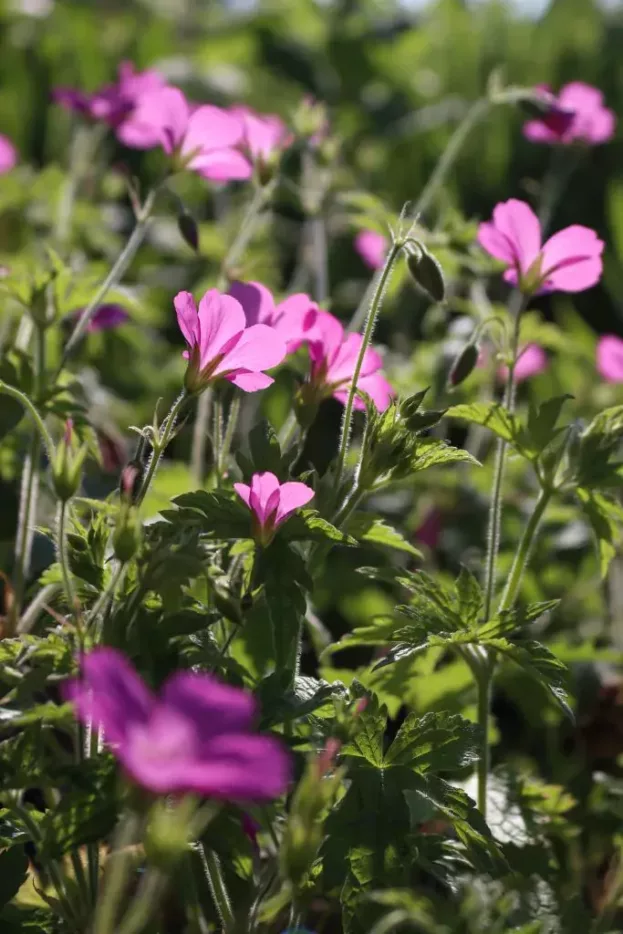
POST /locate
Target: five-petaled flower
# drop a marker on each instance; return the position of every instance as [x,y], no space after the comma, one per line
[578,114]
[222,346]
[195,736]
[271,502]
[293,318]
[333,360]
[203,139]
[610,358]
[570,261]
[264,136]
[372,247]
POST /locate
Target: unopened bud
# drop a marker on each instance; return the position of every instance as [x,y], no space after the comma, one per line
[189,230]
[126,539]
[326,759]
[464,364]
[130,481]
[67,464]
[360,706]
[423,420]
[426,271]
[410,405]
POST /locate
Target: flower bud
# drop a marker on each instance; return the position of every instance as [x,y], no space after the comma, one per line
[130,481]
[126,539]
[411,404]
[187,226]
[426,271]
[67,464]
[464,364]
[423,420]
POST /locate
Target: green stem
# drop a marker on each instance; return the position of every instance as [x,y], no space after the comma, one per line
[63,559]
[523,551]
[200,430]
[144,904]
[114,276]
[216,882]
[116,877]
[161,444]
[230,430]
[217,434]
[373,311]
[483,683]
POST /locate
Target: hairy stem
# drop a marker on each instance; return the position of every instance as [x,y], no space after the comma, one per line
[373,311]
[63,560]
[161,444]
[116,877]
[216,882]
[523,551]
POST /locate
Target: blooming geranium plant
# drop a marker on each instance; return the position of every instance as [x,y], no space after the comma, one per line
[293,567]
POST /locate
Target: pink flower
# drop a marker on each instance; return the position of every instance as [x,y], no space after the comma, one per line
[263,135]
[271,502]
[578,114]
[293,318]
[333,359]
[430,529]
[531,361]
[570,261]
[8,154]
[372,248]
[115,104]
[221,346]
[201,139]
[610,358]
[105,318]
[195,736]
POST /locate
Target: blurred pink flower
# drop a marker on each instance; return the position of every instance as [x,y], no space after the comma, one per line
[105,318]
[272,502]
[115,104]
[222,346]
[570,261]
[263,135]
[203,139]
[531,361]
[372,248]
[195,736]
[430,529]
[578,114]
[333,359]
[8,154]
[610,358]
[293,318]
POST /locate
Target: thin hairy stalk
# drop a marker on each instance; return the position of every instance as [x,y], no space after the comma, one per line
[375,305]
[116,876]
[161,444]
[216,883]
[217,434]
[29,489]
[319,253]
[63,560]
[114,276]
[144,903]
[239,244]
[230,431]
[522,555]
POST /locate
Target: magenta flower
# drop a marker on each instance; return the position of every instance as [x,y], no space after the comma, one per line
[372,248]
[105,318]
[263,135]
[196,736]
[610,358]
[203,139]
[570,261]
[578,114]
[115,104]
[293,318]
[221,346]
[271,502]
[531,361]
[8,154]
[333,359]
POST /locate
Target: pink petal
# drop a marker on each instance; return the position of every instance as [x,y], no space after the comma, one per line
[531,361]
[256,300]
[292,495]
[376,386]
[258,348]
[572,259]
[263,486]
[518,223]
[221,319]
[262,134]
[580,97]
[539,132]
[186,311]
[8,154]
[244,492]
[214,707]
[496,243]
[327,335]
[165,113]
[610,358]
[211,128]
[221,165]
[372,248]
[294,320]
[343,363]
[249,382]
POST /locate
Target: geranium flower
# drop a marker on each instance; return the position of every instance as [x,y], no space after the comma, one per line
[8,154]
[271,502]
[293,318]
[531,361]
[372,248]
[105,318]
[579,114]
[333,359]
[203,139]
[195,736]
[610,358]
[263,135]
[221,346]
[570,261]
[115,104]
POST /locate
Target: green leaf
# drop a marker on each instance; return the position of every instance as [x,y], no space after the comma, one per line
[264,449]
[538,662]
[432,453]
[372,530]
[13,872]
[367,742]
[470,596]
[16,371]
[308,525]
[219,515]
[283,571]
[602,514]
[541,428]
[491,415]
[438,741]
